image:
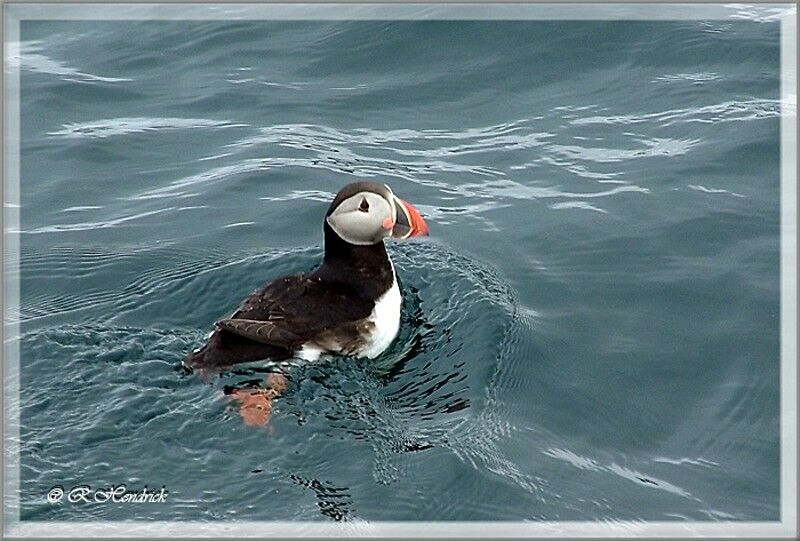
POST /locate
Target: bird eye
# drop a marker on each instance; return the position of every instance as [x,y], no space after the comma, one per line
[364,206]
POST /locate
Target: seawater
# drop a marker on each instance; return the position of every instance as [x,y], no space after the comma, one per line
[590,333]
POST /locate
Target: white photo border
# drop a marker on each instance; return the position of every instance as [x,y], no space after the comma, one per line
[14,14]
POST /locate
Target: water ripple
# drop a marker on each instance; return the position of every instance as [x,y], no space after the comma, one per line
[310,195]
[27,55]
[487,406]
[704,189]
[407,154]
[694,78]
[494,143]
[374,137]
[166,267]
[507,188]
[86,226]
[729,111]
[101,129]
[657,146]
[572,167]
[585,463]
[577,205]
[339,162]
[700,461]
[81,208]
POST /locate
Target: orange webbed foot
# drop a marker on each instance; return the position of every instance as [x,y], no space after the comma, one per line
[255,405]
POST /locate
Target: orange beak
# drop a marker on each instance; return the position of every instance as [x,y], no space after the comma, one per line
[409,221]
[418,225]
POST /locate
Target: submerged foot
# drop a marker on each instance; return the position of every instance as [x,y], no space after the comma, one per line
[255,405]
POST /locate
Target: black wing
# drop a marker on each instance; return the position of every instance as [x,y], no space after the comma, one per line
[265,332]
[302,306]
[277,319]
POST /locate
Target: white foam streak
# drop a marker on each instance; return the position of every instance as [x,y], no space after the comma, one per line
[651,148]
[81,208]
[694,78]
[101,129]
[310,195]
[585,463]
[701,188]
[729,111]
[27,55]
[693,461]
[84,226]
[237,224]
[577,205]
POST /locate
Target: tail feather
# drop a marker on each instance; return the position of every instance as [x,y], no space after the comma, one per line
[225,349]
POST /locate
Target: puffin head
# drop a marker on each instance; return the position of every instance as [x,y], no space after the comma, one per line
[365,213]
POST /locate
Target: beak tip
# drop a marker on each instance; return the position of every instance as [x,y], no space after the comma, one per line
[419,225]
[413,221]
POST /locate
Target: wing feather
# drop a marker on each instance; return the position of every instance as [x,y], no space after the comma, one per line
[265,332]
[293,310]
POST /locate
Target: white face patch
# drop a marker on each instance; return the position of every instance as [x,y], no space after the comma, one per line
[361,218]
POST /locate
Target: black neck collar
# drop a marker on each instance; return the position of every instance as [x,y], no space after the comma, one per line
[365,269]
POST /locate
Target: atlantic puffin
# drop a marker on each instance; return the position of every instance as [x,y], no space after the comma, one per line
[349,305]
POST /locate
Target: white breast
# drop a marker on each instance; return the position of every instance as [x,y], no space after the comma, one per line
[386,318]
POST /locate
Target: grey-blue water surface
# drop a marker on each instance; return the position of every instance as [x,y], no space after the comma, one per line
[590,333]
